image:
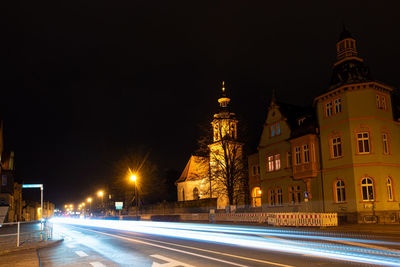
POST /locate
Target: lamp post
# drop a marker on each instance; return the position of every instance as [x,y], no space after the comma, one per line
[133,178]
[101,194]
[89,200]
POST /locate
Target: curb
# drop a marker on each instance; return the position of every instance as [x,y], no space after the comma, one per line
[43,245]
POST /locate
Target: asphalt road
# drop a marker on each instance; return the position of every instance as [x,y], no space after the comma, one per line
[113,243]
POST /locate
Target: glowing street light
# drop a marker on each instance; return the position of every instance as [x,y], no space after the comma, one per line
[133,178]
[100,193]
[89,200]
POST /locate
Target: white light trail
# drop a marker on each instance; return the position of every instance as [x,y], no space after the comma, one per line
[250,237]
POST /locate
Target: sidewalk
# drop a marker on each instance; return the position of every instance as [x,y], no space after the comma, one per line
[26,254]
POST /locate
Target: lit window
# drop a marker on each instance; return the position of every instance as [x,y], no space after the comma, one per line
[367,187]
[272,130]
[256,197]
[272,197]
[363,143]
[336,147]
[277,161]
[298,155]
[338,105]
[385,142]
[278,128]
[306,151]
[279,196]
[389,189]
[270,163]
[328,109]
[340,191]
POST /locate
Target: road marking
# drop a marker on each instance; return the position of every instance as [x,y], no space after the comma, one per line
[186,252]
[169,262]
[97,264]
[70,246]
[81,253]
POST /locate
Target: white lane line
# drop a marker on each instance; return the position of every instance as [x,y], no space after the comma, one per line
[70,246]
[186,252]
[170,262]
[81,253]
[97,264]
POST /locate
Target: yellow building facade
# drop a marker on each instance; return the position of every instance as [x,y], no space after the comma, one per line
[342,155]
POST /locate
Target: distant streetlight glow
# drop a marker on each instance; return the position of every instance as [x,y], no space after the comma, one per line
[100,193]
[133,178]
[89,199]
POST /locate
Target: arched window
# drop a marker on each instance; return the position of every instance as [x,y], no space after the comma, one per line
[367,188]
[256,197]
[272,197]
[279,196]
[183,194]
[196,193]
[389,189]
[340,191]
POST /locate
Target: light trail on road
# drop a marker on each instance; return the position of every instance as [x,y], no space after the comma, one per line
[257,238]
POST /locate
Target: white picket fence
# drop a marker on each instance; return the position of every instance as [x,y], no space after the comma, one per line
[282,219]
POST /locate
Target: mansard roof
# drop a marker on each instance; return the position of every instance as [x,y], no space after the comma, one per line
[348,72]
[292,112]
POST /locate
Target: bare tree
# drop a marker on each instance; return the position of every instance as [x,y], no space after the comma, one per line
[227,165]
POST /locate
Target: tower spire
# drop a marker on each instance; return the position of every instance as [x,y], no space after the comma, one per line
[224,99]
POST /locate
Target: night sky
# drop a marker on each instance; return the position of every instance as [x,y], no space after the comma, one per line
[86,82]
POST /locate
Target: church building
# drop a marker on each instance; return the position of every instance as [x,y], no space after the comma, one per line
[340,155]
[219,174]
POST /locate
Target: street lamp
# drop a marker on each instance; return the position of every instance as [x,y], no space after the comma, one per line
[101,194]
[89,200]
[133,178]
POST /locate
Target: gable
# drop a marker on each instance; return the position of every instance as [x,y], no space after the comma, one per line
[195,169]
[275,128]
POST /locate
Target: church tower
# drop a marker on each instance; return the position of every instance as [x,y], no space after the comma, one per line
[226,155]
[224,123]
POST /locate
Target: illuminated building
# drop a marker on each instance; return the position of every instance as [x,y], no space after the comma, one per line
[206,176]
[342,154]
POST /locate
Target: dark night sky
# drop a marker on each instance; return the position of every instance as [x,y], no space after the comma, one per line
[84,82]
